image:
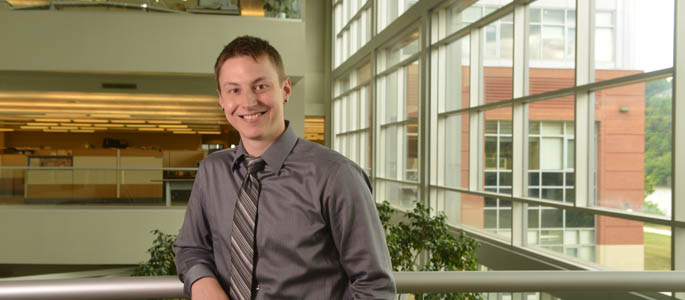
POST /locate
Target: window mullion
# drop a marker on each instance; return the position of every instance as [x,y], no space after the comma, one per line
[520,66]
[584,108]
[678,200]
[475,130]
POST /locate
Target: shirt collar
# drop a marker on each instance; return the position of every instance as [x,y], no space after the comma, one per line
[275,155]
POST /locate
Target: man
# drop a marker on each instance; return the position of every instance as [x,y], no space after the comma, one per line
[277,217]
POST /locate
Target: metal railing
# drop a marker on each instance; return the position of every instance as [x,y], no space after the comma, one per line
[407,282]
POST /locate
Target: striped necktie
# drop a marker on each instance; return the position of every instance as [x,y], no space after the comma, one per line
[243,234]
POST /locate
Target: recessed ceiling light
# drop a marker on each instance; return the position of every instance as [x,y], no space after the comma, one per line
[173,126]
[83,130]
[6,129]
[41,124]
[52,120]
[111,116]
[63,128]
[55,130]
[91,121]
[141,125]
[108,125]
[129,121]
[209,132]
[151,129]
[164,122]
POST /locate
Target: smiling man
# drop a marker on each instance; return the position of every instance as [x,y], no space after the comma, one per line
[277,217]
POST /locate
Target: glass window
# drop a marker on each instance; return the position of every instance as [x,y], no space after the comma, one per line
[634,140]
[551,43]
[635,35]
[456,151]
[498,61]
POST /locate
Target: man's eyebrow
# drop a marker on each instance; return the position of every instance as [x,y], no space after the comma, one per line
[259,79]
[229,83]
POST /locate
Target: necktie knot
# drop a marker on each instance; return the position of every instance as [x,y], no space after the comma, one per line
[254,164]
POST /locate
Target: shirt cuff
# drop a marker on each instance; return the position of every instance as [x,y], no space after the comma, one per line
[194,273]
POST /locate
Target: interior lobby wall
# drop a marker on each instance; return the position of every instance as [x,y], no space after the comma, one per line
[136,42]
[82,235]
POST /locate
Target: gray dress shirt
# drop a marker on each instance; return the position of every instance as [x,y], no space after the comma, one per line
[318,234]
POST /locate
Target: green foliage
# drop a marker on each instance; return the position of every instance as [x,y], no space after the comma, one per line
[274,7]
[652,208]
[161,260]
[653,88]
[658,137]
[428,238]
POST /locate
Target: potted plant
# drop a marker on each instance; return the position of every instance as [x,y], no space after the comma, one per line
[277,8]
[421,242]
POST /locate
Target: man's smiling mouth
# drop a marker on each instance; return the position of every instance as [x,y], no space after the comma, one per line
[252,116]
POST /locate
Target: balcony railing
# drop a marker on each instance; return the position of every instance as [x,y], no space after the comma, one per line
[407,282]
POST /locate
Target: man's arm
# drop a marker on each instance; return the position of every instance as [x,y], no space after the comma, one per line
[357,233]
[193,247]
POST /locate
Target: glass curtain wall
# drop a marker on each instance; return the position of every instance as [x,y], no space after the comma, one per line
[547,125]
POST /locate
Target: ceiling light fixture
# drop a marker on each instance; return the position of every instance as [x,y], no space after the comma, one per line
[109,125]
[52,120]
[151,129]
[63,128]
[129,121]
[141,125]
[164,122]
[91,121]
[41,124]
[112,116]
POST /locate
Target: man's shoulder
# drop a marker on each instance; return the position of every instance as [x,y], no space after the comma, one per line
[322,156]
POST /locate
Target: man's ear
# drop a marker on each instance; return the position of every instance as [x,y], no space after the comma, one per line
[286,88]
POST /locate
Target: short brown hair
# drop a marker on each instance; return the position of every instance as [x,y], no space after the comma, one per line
[249,46]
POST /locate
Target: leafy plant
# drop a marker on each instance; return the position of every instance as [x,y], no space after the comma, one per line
[425,244]
[274,7]
[161,260]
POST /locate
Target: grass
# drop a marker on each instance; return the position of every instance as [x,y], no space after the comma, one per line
[657,251]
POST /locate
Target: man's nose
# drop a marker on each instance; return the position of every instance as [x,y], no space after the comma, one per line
[249,98]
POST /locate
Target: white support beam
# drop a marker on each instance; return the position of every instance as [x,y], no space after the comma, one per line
[519,119]
[584,111]
[678,200]
[475,131]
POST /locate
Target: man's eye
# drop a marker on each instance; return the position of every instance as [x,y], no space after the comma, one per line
[233,91]
[260,87]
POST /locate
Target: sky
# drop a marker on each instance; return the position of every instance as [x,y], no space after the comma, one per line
[654,34]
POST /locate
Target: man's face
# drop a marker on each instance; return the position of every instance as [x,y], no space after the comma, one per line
[252,97]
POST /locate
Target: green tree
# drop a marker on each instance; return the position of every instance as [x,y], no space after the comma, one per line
[658,137]
[426,244]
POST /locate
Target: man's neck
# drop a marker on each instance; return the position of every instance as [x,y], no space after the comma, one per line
[257,148]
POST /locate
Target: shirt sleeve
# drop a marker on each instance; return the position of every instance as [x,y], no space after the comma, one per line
[193,247]
[358,234]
